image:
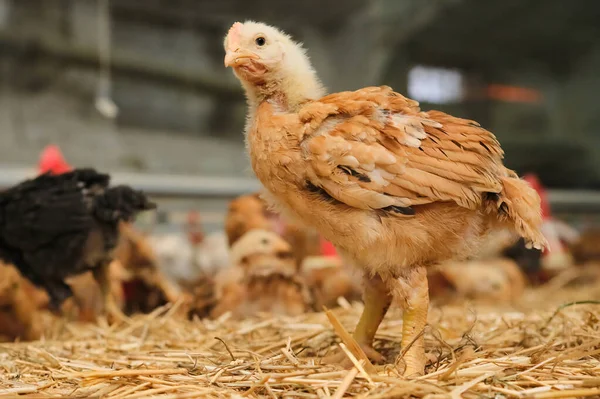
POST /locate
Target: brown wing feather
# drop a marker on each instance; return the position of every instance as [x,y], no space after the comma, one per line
[374,148]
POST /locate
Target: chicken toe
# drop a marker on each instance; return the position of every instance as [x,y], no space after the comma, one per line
[340,358]
[377,299]
[113,312]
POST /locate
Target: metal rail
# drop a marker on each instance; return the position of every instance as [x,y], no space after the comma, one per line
[198,187]
[158,185]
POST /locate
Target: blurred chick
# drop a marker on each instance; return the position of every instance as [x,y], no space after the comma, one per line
[587,247]
[87,302]
[53,227]
[394,188]
[145,283]
[19,310]
[202,295]
[328,280]
[136,282]
[175,257]
[250,211]
[264,279]
[181,263]
[212,254]
[246,213]
[491,280]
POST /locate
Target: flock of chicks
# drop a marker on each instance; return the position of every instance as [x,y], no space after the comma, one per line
[267,274]
[272,267]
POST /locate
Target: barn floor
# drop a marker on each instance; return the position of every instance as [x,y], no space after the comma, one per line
[544,346]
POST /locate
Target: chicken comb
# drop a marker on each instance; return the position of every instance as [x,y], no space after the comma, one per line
[234,35]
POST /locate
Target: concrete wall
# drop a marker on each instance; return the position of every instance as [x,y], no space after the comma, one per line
[161,127]
[170,125]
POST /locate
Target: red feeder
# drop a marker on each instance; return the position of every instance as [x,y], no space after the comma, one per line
[52,161]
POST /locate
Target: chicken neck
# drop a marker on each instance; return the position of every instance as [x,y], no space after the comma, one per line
[286,90]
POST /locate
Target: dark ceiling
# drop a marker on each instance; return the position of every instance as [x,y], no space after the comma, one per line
[221,13]
[493,35]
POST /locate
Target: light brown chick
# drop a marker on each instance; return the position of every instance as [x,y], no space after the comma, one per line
[587,247]
[202,295]
[264,279]
[245,213]
[488,281]
[395,189]
[19,311]
[328,280]
[249,212]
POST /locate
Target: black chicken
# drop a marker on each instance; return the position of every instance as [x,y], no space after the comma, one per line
[56,226]
[528,259]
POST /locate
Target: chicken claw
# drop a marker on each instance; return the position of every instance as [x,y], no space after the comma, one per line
[377,300]
[340,358]
[113,313]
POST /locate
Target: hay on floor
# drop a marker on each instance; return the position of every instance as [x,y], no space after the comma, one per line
[533,349]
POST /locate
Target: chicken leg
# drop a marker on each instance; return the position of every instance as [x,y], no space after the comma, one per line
[377,299]
[26,312]
[416,303]
[102,277]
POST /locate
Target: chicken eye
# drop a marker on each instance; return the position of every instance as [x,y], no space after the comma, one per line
[260,41]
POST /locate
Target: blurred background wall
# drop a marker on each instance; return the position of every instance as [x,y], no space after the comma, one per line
[528,70]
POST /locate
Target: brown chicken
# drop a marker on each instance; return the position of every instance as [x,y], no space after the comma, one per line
[264,279]
[87,303]
[250,211]
[19,309]
[135,282]
[146,287]
[489,280]
[395,189]
[587,247]
[246,213]
[202,298]
[329,279]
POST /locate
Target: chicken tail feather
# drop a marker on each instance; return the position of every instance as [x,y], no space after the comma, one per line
[121,203]
[519,204]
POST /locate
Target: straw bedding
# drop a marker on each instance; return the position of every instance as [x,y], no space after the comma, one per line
[535,348]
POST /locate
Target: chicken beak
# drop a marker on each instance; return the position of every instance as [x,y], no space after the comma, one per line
[234,57]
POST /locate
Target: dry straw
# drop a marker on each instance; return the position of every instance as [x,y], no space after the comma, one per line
[532,349]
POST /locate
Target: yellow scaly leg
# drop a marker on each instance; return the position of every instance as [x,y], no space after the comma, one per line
[377,300]
[416,305]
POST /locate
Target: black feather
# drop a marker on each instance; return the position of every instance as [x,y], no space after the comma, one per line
[407,210]
[321,192]
[46,224]
[360,176]
[528,259]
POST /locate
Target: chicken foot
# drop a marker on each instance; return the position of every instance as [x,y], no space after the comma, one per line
[102,276]
[377,299]
[415,301]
